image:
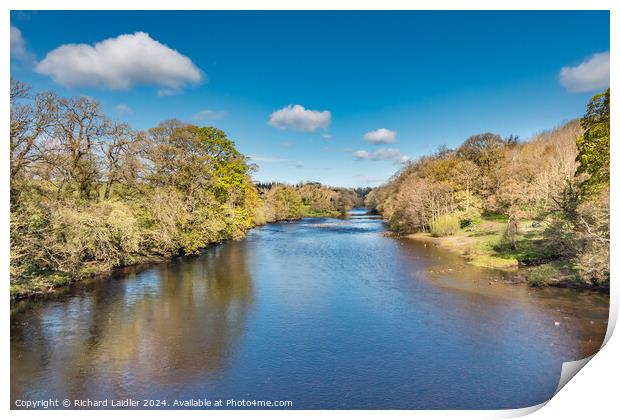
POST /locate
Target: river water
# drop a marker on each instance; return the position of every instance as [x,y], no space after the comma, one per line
[326,313]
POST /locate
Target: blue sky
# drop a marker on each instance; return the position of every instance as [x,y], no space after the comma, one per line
[358,92]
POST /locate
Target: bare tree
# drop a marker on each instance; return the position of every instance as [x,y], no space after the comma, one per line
[120,156]
[31,120]
[79,129]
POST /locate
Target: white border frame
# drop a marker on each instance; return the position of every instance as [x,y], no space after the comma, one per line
[593,394]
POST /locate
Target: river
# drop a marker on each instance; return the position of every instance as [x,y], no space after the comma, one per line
[326,313]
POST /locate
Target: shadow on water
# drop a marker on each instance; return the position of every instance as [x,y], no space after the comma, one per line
[328,313]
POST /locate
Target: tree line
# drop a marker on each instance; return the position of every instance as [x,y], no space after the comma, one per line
[560,179]
[89,194]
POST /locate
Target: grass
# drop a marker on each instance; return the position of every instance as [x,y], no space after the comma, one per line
[553,273]
[490,261]
[446,225]
[494,217]
[483,243]
[42,283]
[541,275]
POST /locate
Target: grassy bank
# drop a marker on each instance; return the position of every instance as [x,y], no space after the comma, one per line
[560,176]
[483,245]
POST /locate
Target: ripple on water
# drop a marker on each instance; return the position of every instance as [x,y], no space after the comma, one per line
[328,313]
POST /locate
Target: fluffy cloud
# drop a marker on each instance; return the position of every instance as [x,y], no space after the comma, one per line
[380,136]
[119,64]
[393,155]
[592,74]
[299,118]
[18,45]
[209,115]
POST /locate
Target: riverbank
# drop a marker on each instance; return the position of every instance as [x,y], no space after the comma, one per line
[483,245]
[51,282]
[273,305]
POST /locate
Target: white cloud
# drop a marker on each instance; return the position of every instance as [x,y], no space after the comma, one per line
[393,155]
[591,74]
[18,45]
[120,63]
[123,109]
[299,118]
[380,136]
[326,136]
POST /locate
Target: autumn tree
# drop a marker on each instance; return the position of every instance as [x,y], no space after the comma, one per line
[283,203]
[486,151]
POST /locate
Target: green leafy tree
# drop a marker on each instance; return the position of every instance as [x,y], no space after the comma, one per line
[212,180]
[593,146]
[284,203]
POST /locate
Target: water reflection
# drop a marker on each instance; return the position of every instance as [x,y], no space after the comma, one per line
[573,321]
[163,328]
[329,313]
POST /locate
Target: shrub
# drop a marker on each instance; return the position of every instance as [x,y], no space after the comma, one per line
[592,264]
[445,225]
[104,235]
[542,275]
[509,237]
[260,215]
[469,208]
[160,215]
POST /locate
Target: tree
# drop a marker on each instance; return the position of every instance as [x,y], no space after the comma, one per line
[284,203]
[482,149]
[190,157]
[73,162]
[29,121]
[210,177]
[593,146]
[345,200]
[89,194]
[486,151]
[317,198]
[121,161]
